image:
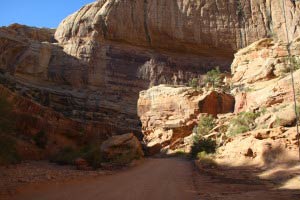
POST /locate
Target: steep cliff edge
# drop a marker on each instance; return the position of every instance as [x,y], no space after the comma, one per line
[198,27]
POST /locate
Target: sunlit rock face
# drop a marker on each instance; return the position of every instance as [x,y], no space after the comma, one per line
[261,77]
[169,114]
[110,50]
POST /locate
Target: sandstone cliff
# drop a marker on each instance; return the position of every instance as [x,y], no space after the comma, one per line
[30,118]
[110,50]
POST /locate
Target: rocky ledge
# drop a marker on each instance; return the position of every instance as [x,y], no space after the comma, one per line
[169,114]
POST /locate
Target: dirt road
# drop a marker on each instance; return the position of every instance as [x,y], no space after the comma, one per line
[159,179]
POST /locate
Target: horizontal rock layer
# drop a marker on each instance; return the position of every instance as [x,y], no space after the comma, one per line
[110,50]
[61,132]
[199,27]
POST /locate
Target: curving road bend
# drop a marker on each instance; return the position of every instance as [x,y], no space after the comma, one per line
[155,179]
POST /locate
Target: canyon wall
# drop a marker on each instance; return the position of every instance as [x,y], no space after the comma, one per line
[110,50]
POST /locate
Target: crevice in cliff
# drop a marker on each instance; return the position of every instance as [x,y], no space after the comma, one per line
[269,20]
[145,22]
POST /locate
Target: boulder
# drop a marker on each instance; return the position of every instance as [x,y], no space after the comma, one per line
[122,149]
[285,116]
[82,164]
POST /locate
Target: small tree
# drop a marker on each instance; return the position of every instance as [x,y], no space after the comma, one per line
[213,77]
[206,124]
[291,63]
[206,145]
[201,144]
[193,83]
[294,63]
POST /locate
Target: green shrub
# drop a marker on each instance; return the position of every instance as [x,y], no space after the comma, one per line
[243,122]
[181,153]
[193,83]
[41,139]
[214,78]
[8,152]
[205,125]
[203,145]
[291,63]
[206,159]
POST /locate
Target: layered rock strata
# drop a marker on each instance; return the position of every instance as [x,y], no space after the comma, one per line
[110,50]
[60,132]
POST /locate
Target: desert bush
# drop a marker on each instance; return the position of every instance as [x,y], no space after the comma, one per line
[181,153]
[8,152]
[214,78]
[290,63]
[205,125]
[243,122]
[206,159]
[203,145]
[193,83]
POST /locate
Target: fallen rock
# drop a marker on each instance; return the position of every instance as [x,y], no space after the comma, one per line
[82,164]
[121,149]
[285,117]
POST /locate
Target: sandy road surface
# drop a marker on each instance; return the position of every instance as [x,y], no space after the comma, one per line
[159,179]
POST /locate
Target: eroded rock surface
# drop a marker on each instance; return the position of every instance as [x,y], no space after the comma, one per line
[261,147]
[168,113]
[33,33]
[110,50]
[59,131]
[261,75]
